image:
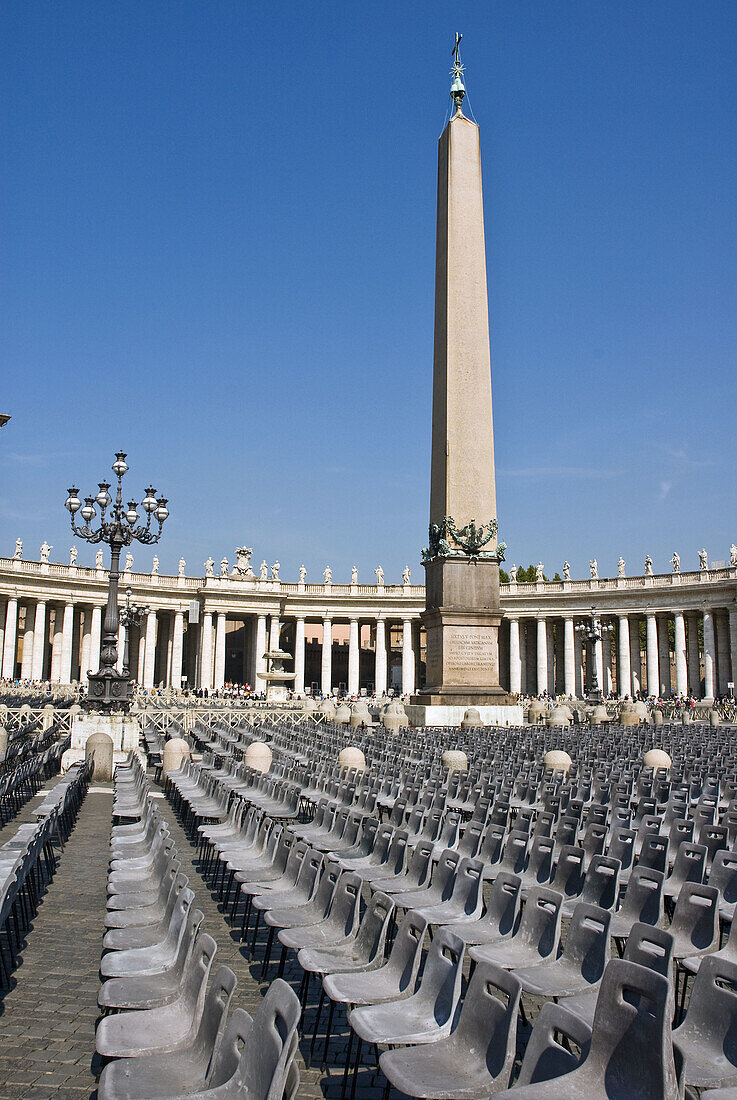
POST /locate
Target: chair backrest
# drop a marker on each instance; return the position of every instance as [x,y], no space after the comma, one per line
[631,1036]
[345,903]
[492,844]
[420,865]
[654,852]
[441,980]
[256,1053]
[622,846]
[602,882]
[548,1053]
[569,874]
[503,903]
[515,851]
[651,947]
[712,1009]
[643,897]
[444,877]
[406,953]
[540,859]
[541,919]
[696,916]
[214,1013]
[197,970]
[587,942]
[723,875]
[374,926]
[488,1021]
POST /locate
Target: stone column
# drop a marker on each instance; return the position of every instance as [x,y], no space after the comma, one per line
[354,654]
[569,657]
[141,654]
[39,641]
[85,627]
[693,656]
[679,626]
[299,655]
[54,672]
[205,652]
[653,671]
[635,655]
[542,656]
[624,664]
[121,647]
[523,655]
[606,646]
[95,639]
[149,662]
[598,655]
[3,613]
[408,659]
[578,650]
[733,644]
[550,647]
[380,669]
[219,652]
[67,634]
[709,656]
[26,665]
[274,632]
[260,647]
[724,667]
[9,642]
[515,664]
[664,656]
[327,656]
[177,650]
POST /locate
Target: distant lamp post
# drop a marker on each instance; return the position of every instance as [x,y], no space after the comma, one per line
[130,615]
[590,633]
[110,690]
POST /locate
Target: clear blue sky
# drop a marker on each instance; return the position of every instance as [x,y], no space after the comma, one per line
[218,253]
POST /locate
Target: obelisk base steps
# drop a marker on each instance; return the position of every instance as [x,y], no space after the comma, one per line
[424,714]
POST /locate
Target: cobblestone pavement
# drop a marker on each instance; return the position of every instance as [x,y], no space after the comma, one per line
[47,1018]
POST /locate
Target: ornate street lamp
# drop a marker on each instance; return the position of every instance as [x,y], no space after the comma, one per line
[590,633]
[130,615]
[110,690]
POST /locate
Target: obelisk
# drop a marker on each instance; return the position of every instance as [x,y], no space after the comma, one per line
[462,611]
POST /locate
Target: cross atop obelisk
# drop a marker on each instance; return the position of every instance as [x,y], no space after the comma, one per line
[462,611]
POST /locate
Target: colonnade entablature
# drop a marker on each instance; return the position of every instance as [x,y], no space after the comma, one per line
[674,633]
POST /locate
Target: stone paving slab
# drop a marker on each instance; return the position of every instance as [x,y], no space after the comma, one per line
[47,1018]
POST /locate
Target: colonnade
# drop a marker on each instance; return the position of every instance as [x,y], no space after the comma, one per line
[670,634]
[660,653]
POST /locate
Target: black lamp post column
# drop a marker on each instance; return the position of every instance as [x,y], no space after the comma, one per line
[110,690]
[590,633]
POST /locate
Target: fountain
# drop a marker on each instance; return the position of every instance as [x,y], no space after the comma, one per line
[276,676]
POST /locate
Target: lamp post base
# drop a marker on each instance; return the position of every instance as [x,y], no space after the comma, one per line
[108,692]
[124,730]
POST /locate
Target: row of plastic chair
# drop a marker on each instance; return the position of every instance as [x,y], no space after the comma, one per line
[176,1031]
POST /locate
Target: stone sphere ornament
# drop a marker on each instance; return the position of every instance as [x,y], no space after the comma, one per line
[657,717]
[176,752]
[352,757]
[258,756]
[343,715]
[599,715]
[395,717]
[360,716]
[560,716]
[536,711]
[100,748]
[327,707]
[557,760]
[714,718]
[471,719]
[657,758]
[454,760]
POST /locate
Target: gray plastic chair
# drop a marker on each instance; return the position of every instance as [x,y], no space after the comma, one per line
[392,865]
[438,890]
[691,964]
[695,924]
[466,899]
[642,902]
[157,957]
[153,991]
[137,933]
[339,926]
[183,1071]
[707,1038]
[415,875]
[160,1030]
[689,866]
[647,946]
[600,887]
[500,916]
[152,895]
[394,980]
[476,1059]
[539,868]
[426,1015]
[513,858]
[364,951]
[584,958]
[546,1056]
[537,937]
[569,872]
[723,876]
[631,1053]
